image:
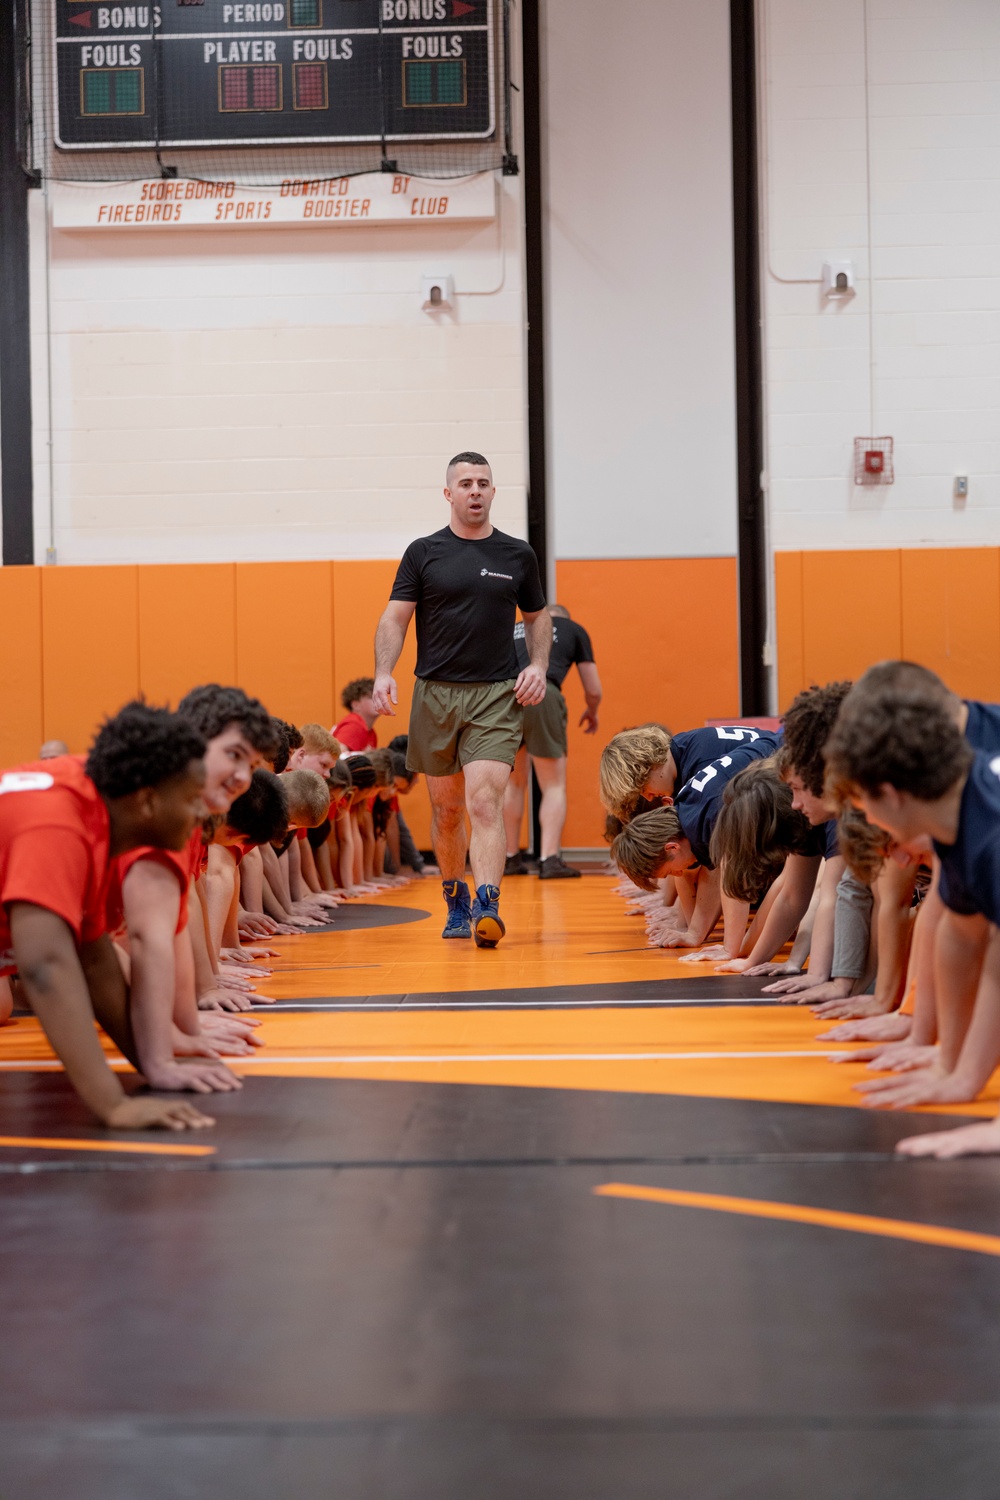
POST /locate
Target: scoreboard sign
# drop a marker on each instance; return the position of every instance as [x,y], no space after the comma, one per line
[307,72]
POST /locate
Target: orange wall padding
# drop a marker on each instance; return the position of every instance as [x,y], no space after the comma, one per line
[79,642]
[838,612]
[665,633]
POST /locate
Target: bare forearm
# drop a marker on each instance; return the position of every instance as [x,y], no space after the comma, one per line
[152,995]
[538,639]
[389,638]
[296,885]
[307,868]
[252,882]
[981,1048]
[57,991]
[734,924]
[958,959]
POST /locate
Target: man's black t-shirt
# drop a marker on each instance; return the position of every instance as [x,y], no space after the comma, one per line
[467,596]
[570,645]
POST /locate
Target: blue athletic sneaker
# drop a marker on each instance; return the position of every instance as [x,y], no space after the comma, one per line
[456,893]
[487,928]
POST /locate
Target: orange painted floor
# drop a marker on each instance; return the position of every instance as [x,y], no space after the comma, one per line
[560,934]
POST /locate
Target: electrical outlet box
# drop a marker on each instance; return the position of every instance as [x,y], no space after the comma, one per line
[961,486]
[838,279]
[439,293]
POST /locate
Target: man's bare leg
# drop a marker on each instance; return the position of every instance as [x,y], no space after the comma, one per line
[485,784]
[513,802]
[552,812]
[449,834]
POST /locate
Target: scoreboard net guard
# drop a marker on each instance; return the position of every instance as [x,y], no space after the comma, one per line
[202,73]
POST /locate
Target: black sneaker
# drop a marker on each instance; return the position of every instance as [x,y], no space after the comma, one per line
[515,864]
[554,868]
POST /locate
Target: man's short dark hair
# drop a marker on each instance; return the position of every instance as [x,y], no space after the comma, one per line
[260,814]
[211,708]
[908,740]
[808,723]
[141,746]
[469,458]
[356,689]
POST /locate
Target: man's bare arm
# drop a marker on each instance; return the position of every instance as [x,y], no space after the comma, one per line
[530,685]
[592,692]
[389,638]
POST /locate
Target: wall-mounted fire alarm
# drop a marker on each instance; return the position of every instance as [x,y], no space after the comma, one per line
[873,460]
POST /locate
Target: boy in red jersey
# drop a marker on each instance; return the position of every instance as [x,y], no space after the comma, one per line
[355,730]
[171,970]
[60,825]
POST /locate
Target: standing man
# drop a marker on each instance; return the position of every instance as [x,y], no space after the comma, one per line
[546,742]
[465,584]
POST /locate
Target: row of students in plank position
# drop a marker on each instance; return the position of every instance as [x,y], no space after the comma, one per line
[141,886]
[867,832]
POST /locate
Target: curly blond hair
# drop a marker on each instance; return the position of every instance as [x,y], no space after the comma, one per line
[626,762]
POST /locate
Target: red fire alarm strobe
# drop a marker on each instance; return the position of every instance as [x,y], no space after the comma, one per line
[873,460]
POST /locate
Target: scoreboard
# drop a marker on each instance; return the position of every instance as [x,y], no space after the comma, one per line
[263,72]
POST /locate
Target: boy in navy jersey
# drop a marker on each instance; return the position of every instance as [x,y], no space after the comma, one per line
[650,764]
[675,840]
[901,756]
[900,1037]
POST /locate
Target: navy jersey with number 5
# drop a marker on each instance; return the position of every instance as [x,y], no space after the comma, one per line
[699,801]
[698,747]
[970,867]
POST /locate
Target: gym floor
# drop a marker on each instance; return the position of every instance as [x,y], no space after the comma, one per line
[571,1220]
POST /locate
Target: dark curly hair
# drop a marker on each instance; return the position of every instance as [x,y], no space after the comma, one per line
[211,709]
[288,739]
[808,723]
[260,814]
[896,736]
[141,746]
[358,687]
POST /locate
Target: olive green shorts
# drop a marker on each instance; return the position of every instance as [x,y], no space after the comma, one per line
[453,723]
[545,726]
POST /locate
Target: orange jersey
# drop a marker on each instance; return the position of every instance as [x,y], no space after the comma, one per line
[185,865]
[54,847]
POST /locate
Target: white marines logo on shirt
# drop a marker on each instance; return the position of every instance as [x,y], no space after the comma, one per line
[487,574]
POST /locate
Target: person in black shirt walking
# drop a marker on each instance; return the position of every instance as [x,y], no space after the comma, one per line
[546,742]
[465,584]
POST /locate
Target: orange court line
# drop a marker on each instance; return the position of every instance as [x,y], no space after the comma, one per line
[55,1143]
[828,1218]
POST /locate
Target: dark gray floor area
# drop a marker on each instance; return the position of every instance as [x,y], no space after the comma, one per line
[410,1292]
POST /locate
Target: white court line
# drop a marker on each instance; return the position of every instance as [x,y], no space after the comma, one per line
[471,1057]
[490,1057]
[414,1003]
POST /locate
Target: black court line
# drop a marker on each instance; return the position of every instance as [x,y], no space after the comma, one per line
[204,1164]
[361,916]
[734,990]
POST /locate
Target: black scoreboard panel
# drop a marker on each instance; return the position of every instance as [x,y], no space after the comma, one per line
[216,72]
